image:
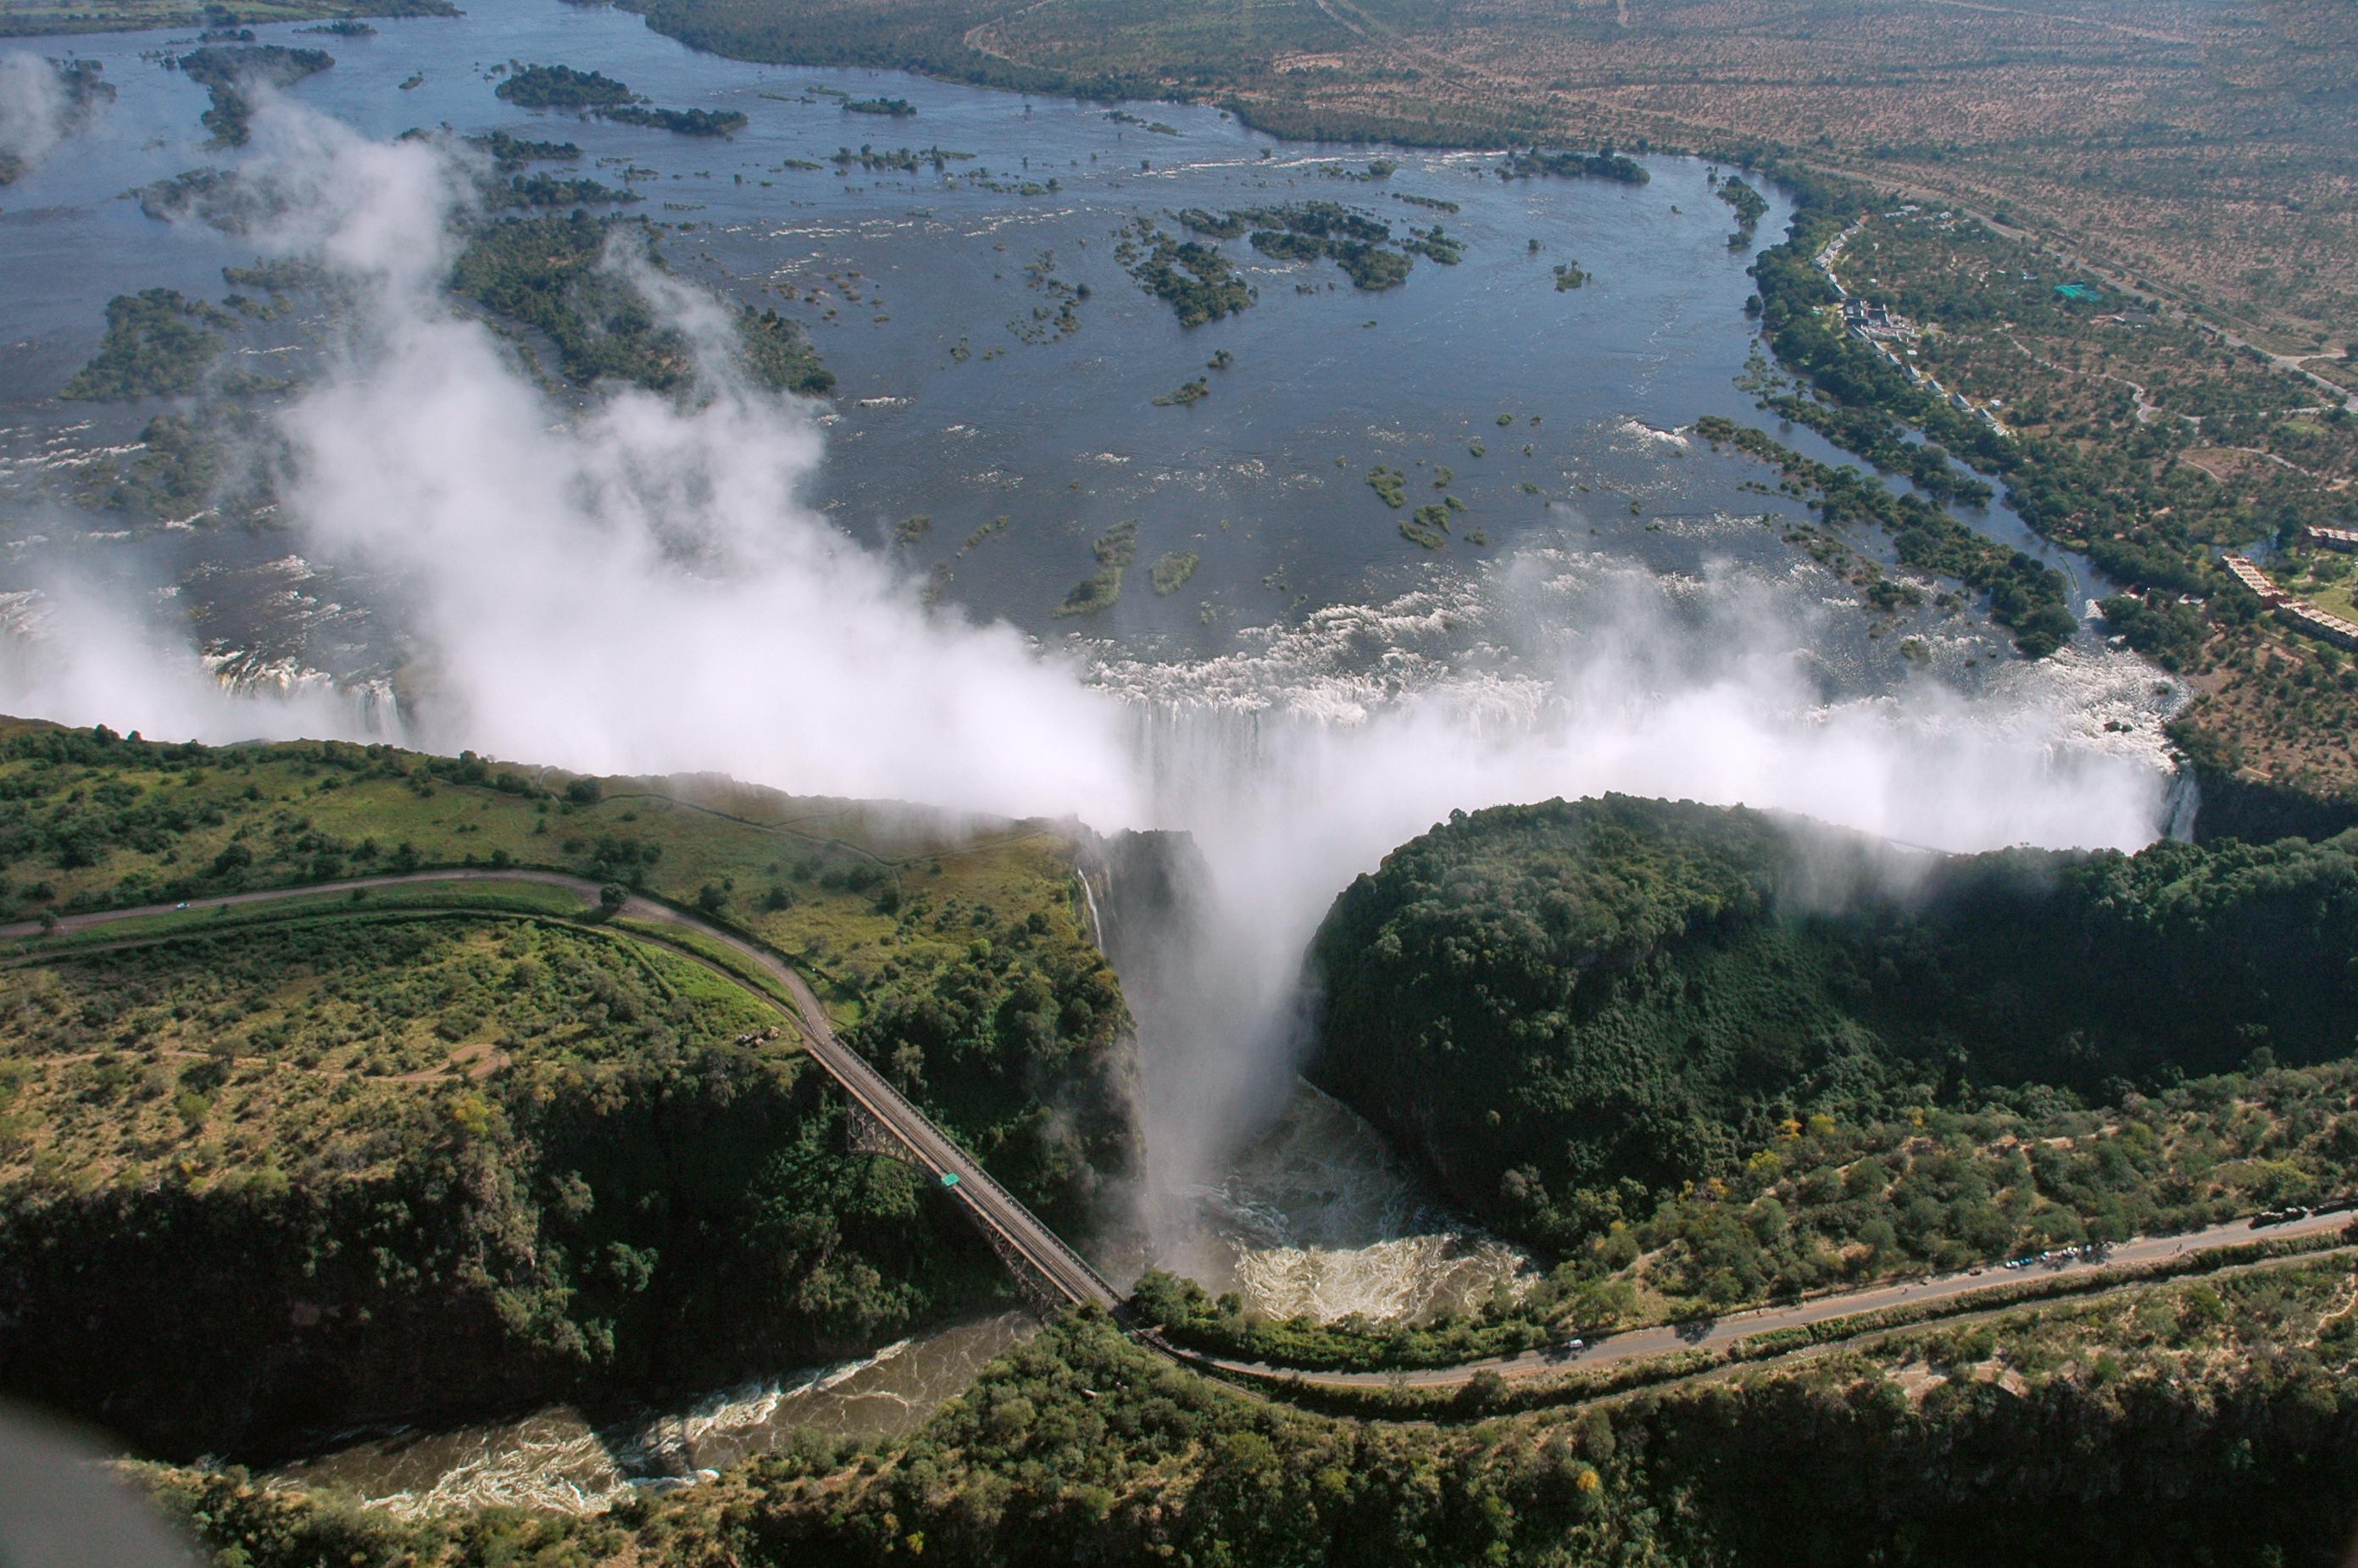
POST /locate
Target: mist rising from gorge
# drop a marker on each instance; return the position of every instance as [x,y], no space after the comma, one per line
[639,588]
[32,109]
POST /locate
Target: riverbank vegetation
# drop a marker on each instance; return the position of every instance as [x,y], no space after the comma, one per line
[2052,124]
[2047,133]
[452,1121]
[1832,1203]
[2026,596]
[37,18]
[2220,1412]
[2126,432]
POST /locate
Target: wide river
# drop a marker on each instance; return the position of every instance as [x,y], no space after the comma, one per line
[969,394]
[962,397]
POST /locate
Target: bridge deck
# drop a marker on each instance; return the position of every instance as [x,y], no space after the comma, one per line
[992,1205]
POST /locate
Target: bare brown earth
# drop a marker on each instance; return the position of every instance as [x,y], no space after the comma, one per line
[2206,147]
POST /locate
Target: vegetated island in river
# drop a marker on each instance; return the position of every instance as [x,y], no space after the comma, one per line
[1606,164]
[562,87]
[222,71]
[1362,246]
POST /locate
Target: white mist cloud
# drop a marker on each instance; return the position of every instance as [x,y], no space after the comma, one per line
[74,654]
[1298,765]
[641,589]
[32,108]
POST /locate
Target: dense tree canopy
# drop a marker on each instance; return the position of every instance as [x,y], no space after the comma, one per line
[1547,1001]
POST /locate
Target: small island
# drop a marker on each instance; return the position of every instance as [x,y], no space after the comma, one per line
[1604,164]
[561,87]
[1101,589]
[679,122]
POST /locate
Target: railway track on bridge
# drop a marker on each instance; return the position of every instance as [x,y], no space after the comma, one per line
[1029,1245]
[1015,1232]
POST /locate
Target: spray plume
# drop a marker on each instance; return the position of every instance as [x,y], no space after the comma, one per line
[639,589]
[32,110]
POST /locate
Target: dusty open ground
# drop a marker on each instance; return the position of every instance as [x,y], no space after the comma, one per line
[2209,147]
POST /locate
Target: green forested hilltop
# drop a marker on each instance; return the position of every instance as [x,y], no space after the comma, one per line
[431,1147]
[2194,1424]
[1573,1011]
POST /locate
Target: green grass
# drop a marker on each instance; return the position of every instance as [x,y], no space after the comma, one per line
[2336,598]
[690,940]
[523,901]
[951,954]
[841,866]
[954,951]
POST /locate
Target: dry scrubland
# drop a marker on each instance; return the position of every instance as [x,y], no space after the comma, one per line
[2207,148]
[384,1152]
[2192,446]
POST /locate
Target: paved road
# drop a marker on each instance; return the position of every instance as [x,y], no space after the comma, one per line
[1720,1332]
[1019,1231]
[992,1206]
